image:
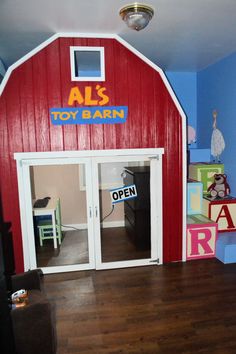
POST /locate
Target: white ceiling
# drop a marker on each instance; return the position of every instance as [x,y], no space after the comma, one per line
[184,35]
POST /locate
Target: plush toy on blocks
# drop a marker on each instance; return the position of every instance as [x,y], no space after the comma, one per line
[220,187]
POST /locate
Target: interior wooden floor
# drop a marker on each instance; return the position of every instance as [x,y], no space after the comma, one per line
[176,308]
[115,243]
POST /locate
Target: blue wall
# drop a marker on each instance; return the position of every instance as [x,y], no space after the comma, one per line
[184,85]
[199,94]
[216,89]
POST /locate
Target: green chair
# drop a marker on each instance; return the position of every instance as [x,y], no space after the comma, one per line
[45,227]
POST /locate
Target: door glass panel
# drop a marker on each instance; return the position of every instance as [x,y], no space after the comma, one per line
[65,185]
[124,212]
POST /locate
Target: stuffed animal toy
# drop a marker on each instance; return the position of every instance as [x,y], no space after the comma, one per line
[220,187]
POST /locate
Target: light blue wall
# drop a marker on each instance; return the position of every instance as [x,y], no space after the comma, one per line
[199,94]
[216,89]
[184,85]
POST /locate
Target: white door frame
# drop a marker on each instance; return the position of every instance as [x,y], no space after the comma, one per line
[25,160]
[25,196]
[156,211]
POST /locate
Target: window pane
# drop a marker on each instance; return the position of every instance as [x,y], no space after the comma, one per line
[87,64]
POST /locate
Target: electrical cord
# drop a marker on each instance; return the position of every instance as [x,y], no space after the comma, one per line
[112,209]
[75,228]
[71,227]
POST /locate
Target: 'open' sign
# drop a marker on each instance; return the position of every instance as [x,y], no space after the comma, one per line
[120,194]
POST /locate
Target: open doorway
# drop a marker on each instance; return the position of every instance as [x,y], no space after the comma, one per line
[95,233]
[60,183]
[124,217]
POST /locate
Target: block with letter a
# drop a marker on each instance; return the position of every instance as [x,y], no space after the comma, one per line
[222,211]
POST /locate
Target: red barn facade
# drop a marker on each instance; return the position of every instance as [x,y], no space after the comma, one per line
[42,80]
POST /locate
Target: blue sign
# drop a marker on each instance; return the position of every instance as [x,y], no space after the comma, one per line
[89,115]
[120,194]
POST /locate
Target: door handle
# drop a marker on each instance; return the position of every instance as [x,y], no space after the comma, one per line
[90,212]
[96,211]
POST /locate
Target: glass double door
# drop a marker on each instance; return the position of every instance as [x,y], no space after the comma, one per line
[101,212]
[128,228]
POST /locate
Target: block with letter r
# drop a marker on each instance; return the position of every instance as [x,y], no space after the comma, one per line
[201,237]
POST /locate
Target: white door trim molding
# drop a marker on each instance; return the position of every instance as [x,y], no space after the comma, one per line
[156,202]
[22,156]
[25,160]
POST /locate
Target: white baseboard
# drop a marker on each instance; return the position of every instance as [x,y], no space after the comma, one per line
[108,224]
[105,225]
[71,227]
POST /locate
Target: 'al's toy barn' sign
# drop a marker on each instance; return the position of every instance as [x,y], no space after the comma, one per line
[94,111]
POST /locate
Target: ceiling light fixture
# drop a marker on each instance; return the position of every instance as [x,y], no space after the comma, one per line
[137,16]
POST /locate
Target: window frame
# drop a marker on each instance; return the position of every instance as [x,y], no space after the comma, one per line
[73,49]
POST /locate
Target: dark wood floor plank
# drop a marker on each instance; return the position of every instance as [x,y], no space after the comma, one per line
[115,246]
[179,308]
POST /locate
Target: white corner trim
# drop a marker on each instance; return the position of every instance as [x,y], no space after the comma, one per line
[23,59]
[86,35]
[156,68]
[184,199]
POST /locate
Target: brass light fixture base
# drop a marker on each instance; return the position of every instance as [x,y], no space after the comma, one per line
[136,16]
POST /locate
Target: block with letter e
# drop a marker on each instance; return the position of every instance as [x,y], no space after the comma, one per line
[204,173]
[201,237]
[222,211]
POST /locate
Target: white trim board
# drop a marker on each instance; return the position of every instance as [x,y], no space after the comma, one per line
[105,225]
[25,157]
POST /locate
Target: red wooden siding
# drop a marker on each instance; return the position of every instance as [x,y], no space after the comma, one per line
[44,81]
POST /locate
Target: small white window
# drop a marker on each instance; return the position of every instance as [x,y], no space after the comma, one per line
[87,63]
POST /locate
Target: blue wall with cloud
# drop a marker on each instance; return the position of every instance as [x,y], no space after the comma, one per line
[216,89]
[199,94]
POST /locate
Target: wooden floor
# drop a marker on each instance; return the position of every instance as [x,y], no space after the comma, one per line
[115,242]
[171,309]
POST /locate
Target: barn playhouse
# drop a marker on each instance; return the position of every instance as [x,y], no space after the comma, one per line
[92,128]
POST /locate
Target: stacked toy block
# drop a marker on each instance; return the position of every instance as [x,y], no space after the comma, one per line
[194,197]
[201,237]
[221,212]
[204,173]
[196,155]
[226,247]
[201,231]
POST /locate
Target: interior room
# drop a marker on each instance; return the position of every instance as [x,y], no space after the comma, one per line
[117,188]
[67,184]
